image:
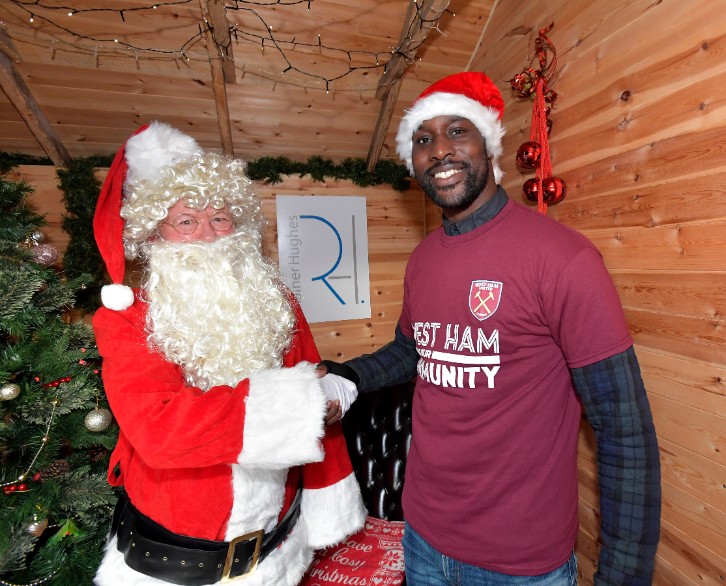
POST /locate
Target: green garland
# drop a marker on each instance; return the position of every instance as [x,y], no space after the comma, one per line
[271,169]
[264,169]
[10,160]
[81,189]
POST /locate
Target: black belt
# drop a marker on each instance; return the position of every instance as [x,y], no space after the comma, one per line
[155,551]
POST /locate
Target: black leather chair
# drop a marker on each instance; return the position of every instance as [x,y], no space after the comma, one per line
[377,429]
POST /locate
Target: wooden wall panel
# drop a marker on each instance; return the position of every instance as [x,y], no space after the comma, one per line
[638,134]
[685,380]
[692,338]
[702,295]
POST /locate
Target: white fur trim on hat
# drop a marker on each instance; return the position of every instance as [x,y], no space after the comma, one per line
[117,297]
[159,146]
[485,119]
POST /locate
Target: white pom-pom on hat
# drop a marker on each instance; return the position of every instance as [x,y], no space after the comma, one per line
[117,297]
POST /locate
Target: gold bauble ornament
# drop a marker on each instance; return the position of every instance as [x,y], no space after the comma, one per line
[98,419]
[9,391]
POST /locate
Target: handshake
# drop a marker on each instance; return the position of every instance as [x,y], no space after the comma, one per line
[339,383]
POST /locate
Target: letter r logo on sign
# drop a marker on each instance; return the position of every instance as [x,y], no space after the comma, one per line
[323,255]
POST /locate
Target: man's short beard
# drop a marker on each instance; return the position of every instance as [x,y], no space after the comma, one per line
[216,309]
[473,187]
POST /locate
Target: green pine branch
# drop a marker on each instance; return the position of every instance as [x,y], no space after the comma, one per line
[15,545]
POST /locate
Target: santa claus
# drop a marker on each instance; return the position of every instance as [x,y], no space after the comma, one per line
[209,366]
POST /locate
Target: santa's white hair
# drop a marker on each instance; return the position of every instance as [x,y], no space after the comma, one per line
[200,180]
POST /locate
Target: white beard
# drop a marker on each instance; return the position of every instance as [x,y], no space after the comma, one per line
[217,309]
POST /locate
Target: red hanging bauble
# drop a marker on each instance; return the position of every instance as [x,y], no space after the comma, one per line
[531,189]
[535,84]
[553,189]
[524,83]
[528,155]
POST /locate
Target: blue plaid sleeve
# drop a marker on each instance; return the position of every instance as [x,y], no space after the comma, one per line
[392,364]
[617,408]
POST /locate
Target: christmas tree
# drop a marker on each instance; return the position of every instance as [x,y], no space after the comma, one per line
[55,427]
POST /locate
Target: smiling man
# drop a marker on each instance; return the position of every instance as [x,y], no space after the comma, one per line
[511,326]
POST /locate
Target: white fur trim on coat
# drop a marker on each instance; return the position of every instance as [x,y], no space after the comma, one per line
[485,119]
[332,513]
[284,416]
[117,297]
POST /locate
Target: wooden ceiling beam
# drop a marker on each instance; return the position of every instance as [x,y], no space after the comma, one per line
[216,23]
[8,47]
[421,17]
[21,97]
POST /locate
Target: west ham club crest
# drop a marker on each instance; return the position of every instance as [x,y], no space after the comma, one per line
[484,298]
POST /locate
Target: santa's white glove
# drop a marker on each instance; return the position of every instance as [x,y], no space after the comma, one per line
[340,389]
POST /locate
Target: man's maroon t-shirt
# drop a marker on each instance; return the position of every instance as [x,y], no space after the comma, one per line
[499,316]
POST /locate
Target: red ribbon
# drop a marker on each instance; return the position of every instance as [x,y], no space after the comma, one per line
[535,83]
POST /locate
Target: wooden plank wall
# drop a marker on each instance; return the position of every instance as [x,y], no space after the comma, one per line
[395,226]
[639,135]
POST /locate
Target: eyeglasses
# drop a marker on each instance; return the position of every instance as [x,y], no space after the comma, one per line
[187,224]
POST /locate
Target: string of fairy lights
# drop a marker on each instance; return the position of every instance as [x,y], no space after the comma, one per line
[52,15]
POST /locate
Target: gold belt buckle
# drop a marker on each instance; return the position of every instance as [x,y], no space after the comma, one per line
[257,536]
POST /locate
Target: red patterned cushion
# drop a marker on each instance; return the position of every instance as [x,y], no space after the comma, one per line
[373,556]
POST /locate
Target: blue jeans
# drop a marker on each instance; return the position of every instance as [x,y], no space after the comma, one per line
[427,567]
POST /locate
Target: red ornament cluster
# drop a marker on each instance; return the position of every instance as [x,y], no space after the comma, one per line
[20,486]
[552,189]
[533,83]
[65,379]
[56,383]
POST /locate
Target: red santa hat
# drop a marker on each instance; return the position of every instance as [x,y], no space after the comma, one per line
[471,95]
[151,148]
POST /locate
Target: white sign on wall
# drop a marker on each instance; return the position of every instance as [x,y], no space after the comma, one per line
[323,252]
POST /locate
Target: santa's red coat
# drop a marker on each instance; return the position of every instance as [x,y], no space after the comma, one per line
[219,463]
